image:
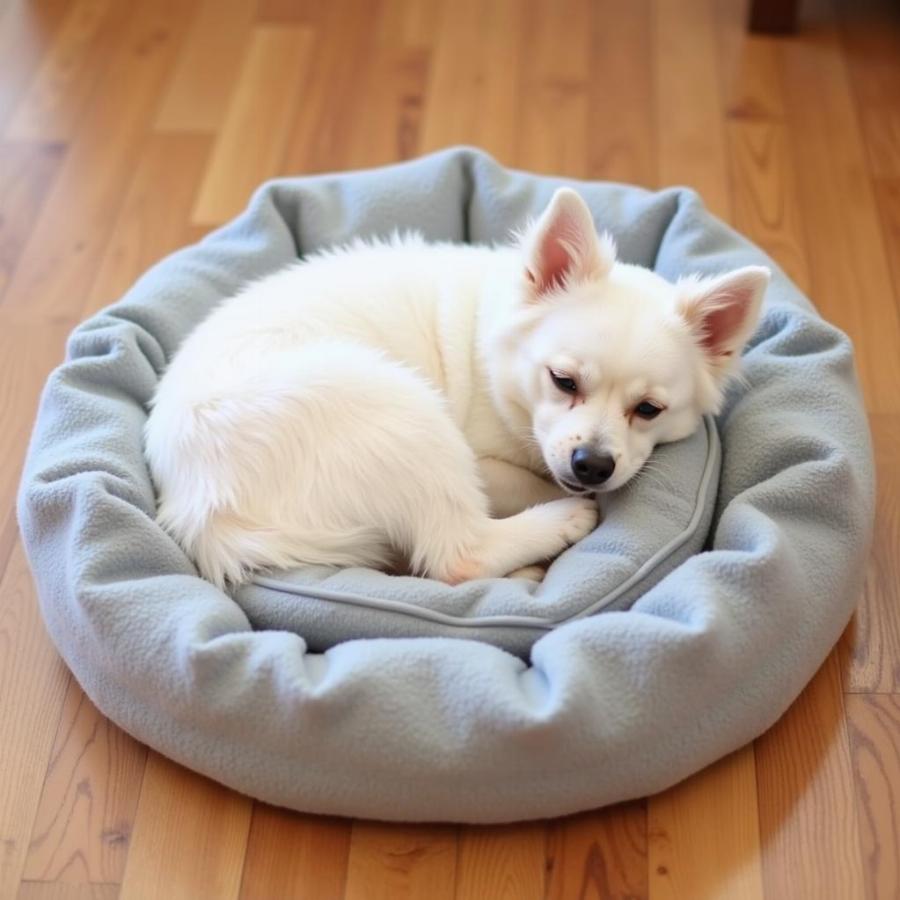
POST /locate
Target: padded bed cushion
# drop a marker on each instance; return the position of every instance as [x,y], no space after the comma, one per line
[695,654]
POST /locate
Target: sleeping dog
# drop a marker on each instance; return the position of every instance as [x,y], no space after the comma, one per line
[457,406]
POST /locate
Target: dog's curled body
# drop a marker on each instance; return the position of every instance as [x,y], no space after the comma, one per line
[335,413]
[388,398]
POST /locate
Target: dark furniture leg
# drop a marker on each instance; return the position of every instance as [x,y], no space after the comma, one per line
[773,16]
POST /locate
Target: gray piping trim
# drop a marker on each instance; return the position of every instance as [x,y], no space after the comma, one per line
[533,622]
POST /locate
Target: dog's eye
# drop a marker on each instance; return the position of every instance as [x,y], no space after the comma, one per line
[647,410]
[566,384]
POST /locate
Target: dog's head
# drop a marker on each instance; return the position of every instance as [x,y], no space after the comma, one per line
[610,359]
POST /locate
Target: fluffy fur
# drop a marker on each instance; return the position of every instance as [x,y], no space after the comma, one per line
[403,399]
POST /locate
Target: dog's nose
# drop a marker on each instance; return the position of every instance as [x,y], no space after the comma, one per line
[591,467]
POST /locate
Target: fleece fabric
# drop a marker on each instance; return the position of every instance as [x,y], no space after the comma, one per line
[603,707]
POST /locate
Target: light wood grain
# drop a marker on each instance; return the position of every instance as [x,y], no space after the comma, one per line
[151,221]
[599,855]
[703,835]
[382,124]
[26,32]
[807,815]
[875,742]
[250,145]
[502,862]
[554,87]
[295,856]
[689,124]
[621,136]
[189,839]
[848,266]
[766,203]
[413,24]
[199,92]
[881,127]
[395,862]
[83,825]
[60,259]
[872,647]
[26,174]
[750,85]
[333,89]
[32,684]
[28,351]
[888,195]
[53,105]
[49,890]
[477,102]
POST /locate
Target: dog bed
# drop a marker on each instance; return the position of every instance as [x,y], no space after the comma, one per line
[721,590]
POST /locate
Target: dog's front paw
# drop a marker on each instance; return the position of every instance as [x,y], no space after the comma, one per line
[577,517]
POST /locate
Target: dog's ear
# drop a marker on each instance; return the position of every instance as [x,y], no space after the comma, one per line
[722,313]
[562,245]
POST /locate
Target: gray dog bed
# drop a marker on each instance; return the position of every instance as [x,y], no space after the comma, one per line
[677,632]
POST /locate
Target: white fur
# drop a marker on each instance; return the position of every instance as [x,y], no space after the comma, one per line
[384,399]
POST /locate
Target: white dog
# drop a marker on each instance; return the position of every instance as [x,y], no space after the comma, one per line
[456,406]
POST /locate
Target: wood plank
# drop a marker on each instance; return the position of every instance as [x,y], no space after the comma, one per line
[749,65]
[553,88]
[807,817]
[26,31]
[871,649]
[888,192]
[72,67]
[847,261]
[295,12]
[390,862]
[870,33]
[689,123]
[881,127]
[83,824]
[293,855]
[151,222]
[621,132]
[28,351]
[409,24]
[49,890]
[250,146]
[343,50]
[473,96]
[874,723]
[504,862]
[32,685]
[61,257]
[189,838]
[764,190]
[383,124]
[703,834]
[206,72]
[26,175]
[600,855]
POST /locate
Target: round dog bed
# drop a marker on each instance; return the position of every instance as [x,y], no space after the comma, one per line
[698,641]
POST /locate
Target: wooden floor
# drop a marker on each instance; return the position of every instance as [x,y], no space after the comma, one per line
[129,128]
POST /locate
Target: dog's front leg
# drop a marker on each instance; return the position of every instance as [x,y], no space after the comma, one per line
[510,488]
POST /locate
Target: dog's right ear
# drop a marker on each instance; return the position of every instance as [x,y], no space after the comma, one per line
[562,246]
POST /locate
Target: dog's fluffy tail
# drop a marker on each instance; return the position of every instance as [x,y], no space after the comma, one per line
[228,550]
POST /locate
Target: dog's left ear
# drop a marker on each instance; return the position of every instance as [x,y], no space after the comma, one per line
[722,313]
[562,246]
